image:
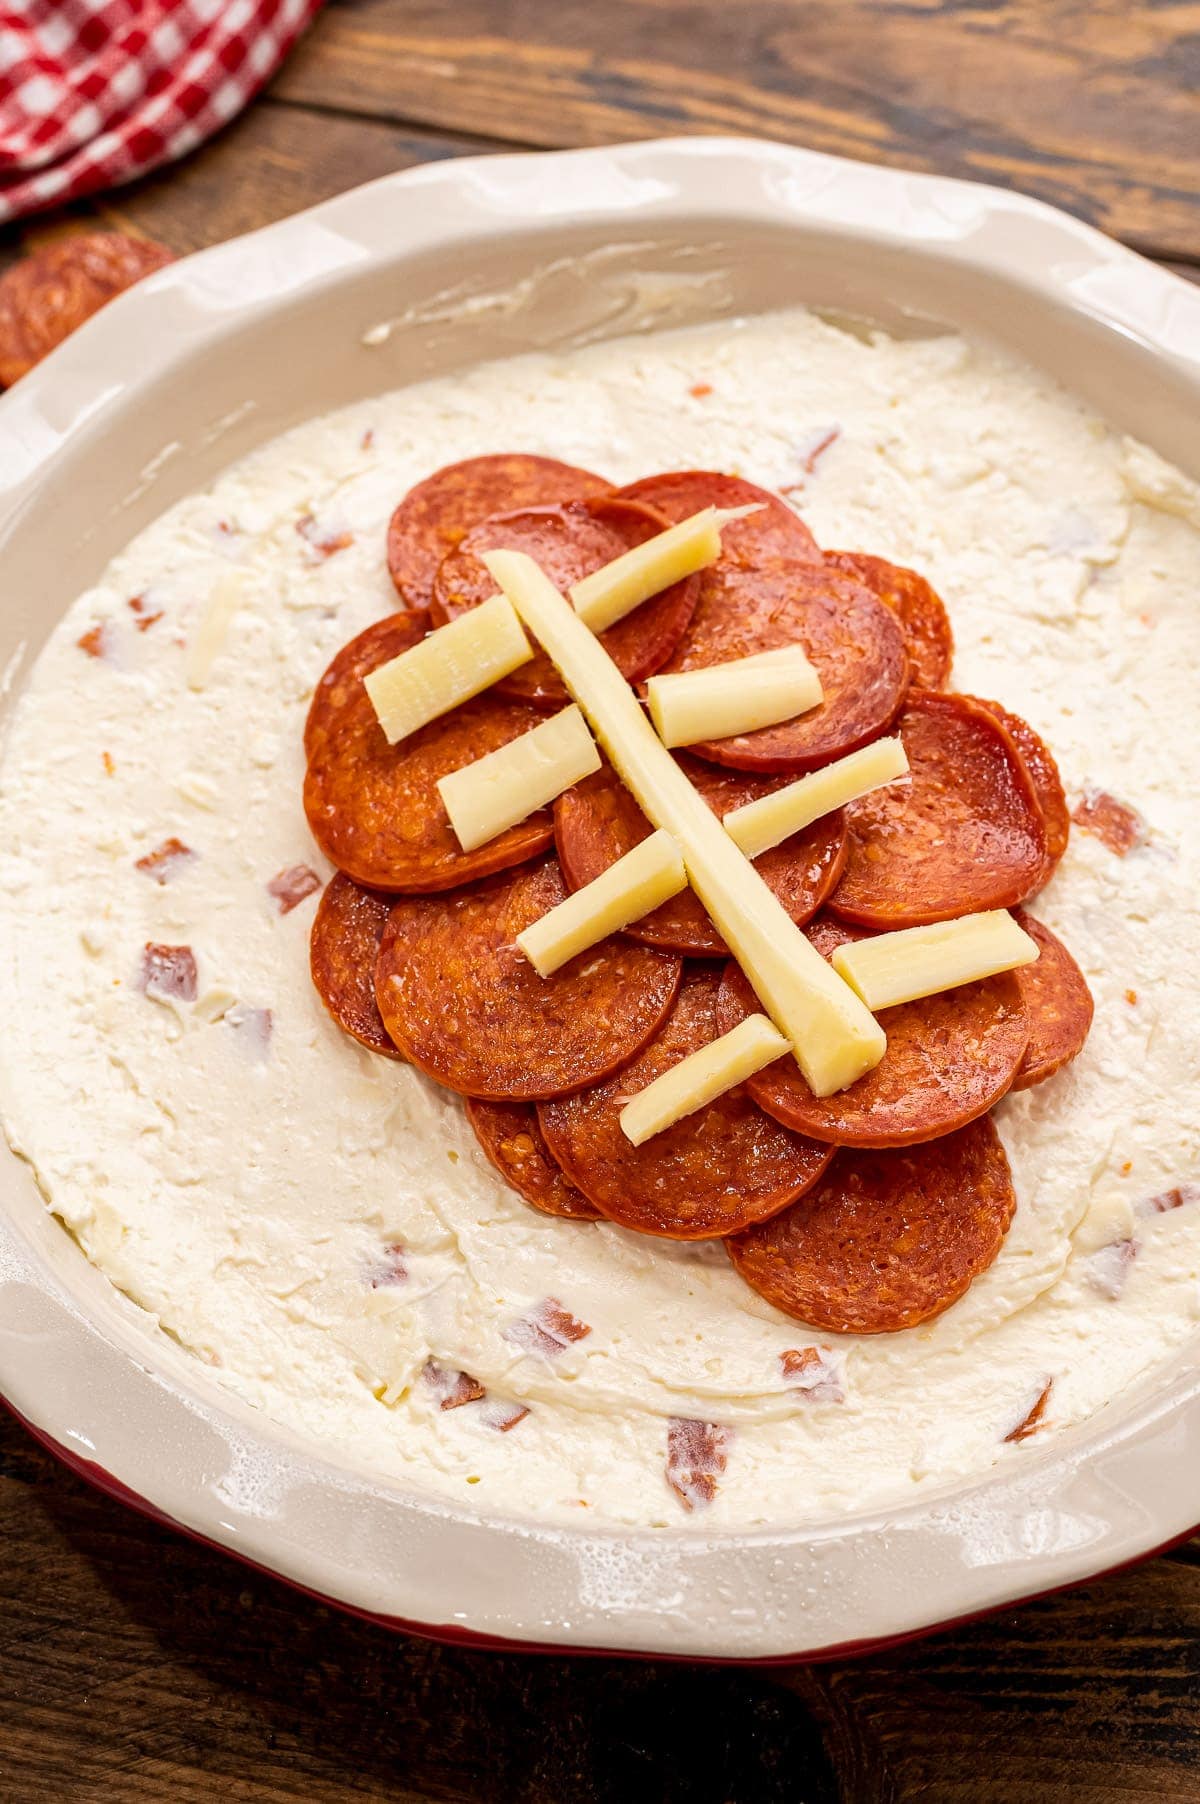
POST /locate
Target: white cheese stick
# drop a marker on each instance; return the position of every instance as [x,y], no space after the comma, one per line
[643,879]
[509,784]
[701,1077]
[607,595]
[206,643]
[737,697]
[834,1037]
[919,961]
[447,668]
[757,826]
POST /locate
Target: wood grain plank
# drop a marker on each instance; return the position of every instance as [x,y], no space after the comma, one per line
[1091,106]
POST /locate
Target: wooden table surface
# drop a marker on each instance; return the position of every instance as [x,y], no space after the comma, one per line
[137,1666]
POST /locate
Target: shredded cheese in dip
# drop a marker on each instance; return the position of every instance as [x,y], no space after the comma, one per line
[319,1225]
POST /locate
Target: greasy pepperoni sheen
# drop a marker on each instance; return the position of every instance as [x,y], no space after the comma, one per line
[569,542]
[511,1136]
[921,612]
[774,534]
[434,515]
[949,1058]
[46,295]
[1058,1003]
[343,946]
[374,808]
[1042,771]
[855,642]
[713,1173]
[598,821]
[964,834]
[466,1006]
[885,1240]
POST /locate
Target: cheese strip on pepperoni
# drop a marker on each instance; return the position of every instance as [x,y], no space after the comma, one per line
[833,1035]
[759,826]
[739,697]
[921,961]
[702,1077]
[506,786]
[607,595]
[641,881]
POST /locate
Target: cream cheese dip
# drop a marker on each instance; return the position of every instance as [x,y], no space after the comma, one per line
[319,1225]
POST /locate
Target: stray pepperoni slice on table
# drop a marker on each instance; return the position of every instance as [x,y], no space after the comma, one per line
[374,808]
[1058,1003]
[465,1005]
[965,833]
[1042,771]
[343,947]
[1113,823]
[928,638]
[711,1174]
[46,295]
[598,821]
[511,1136]
[570,542]
[436,514]
[885,1240]
[949,1058]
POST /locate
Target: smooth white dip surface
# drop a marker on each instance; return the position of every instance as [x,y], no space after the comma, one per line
[316,1223]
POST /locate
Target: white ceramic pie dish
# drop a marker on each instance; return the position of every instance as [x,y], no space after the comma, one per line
[415,275]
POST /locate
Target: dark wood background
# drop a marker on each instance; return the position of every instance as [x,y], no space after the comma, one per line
[137,1666]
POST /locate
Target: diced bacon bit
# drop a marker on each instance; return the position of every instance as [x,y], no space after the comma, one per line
[1114,823]
[451,1388]
[812,1372]
[106,759]
[1034,1417]
[145,616]
[1177,1198]
[324,544]
[96,641]
[253,1027]
[368,438]
[392,1267]
[1108,1267]
[169,972]
[549,1329]
[1131,998]
[166,861]
[1126,1167]
[700,390]
[290,886]
[696,1457]
[501,1415]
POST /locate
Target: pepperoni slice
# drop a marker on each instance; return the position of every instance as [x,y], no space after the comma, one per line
[342,950]
[885,1240]
[713,1173]
[920,610]
[374,808]
[569,542]
[949,1058]
[46,295]
[1058,1003]
[598,821]
[965,833]
[466,1006]
[773,535]
[511,1136]
[434,515]
[1042,771]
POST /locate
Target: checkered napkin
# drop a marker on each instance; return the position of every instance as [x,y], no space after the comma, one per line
[95,92]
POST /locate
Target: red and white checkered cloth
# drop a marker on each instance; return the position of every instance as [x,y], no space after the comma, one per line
[95,92]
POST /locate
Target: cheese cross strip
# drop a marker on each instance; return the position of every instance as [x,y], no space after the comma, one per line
[447,668]
[701,1077]
[607,595]
[833,1035]
[465,656]
[505,786]
[920,961]
[643,879]
[738,697]
[757,826]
